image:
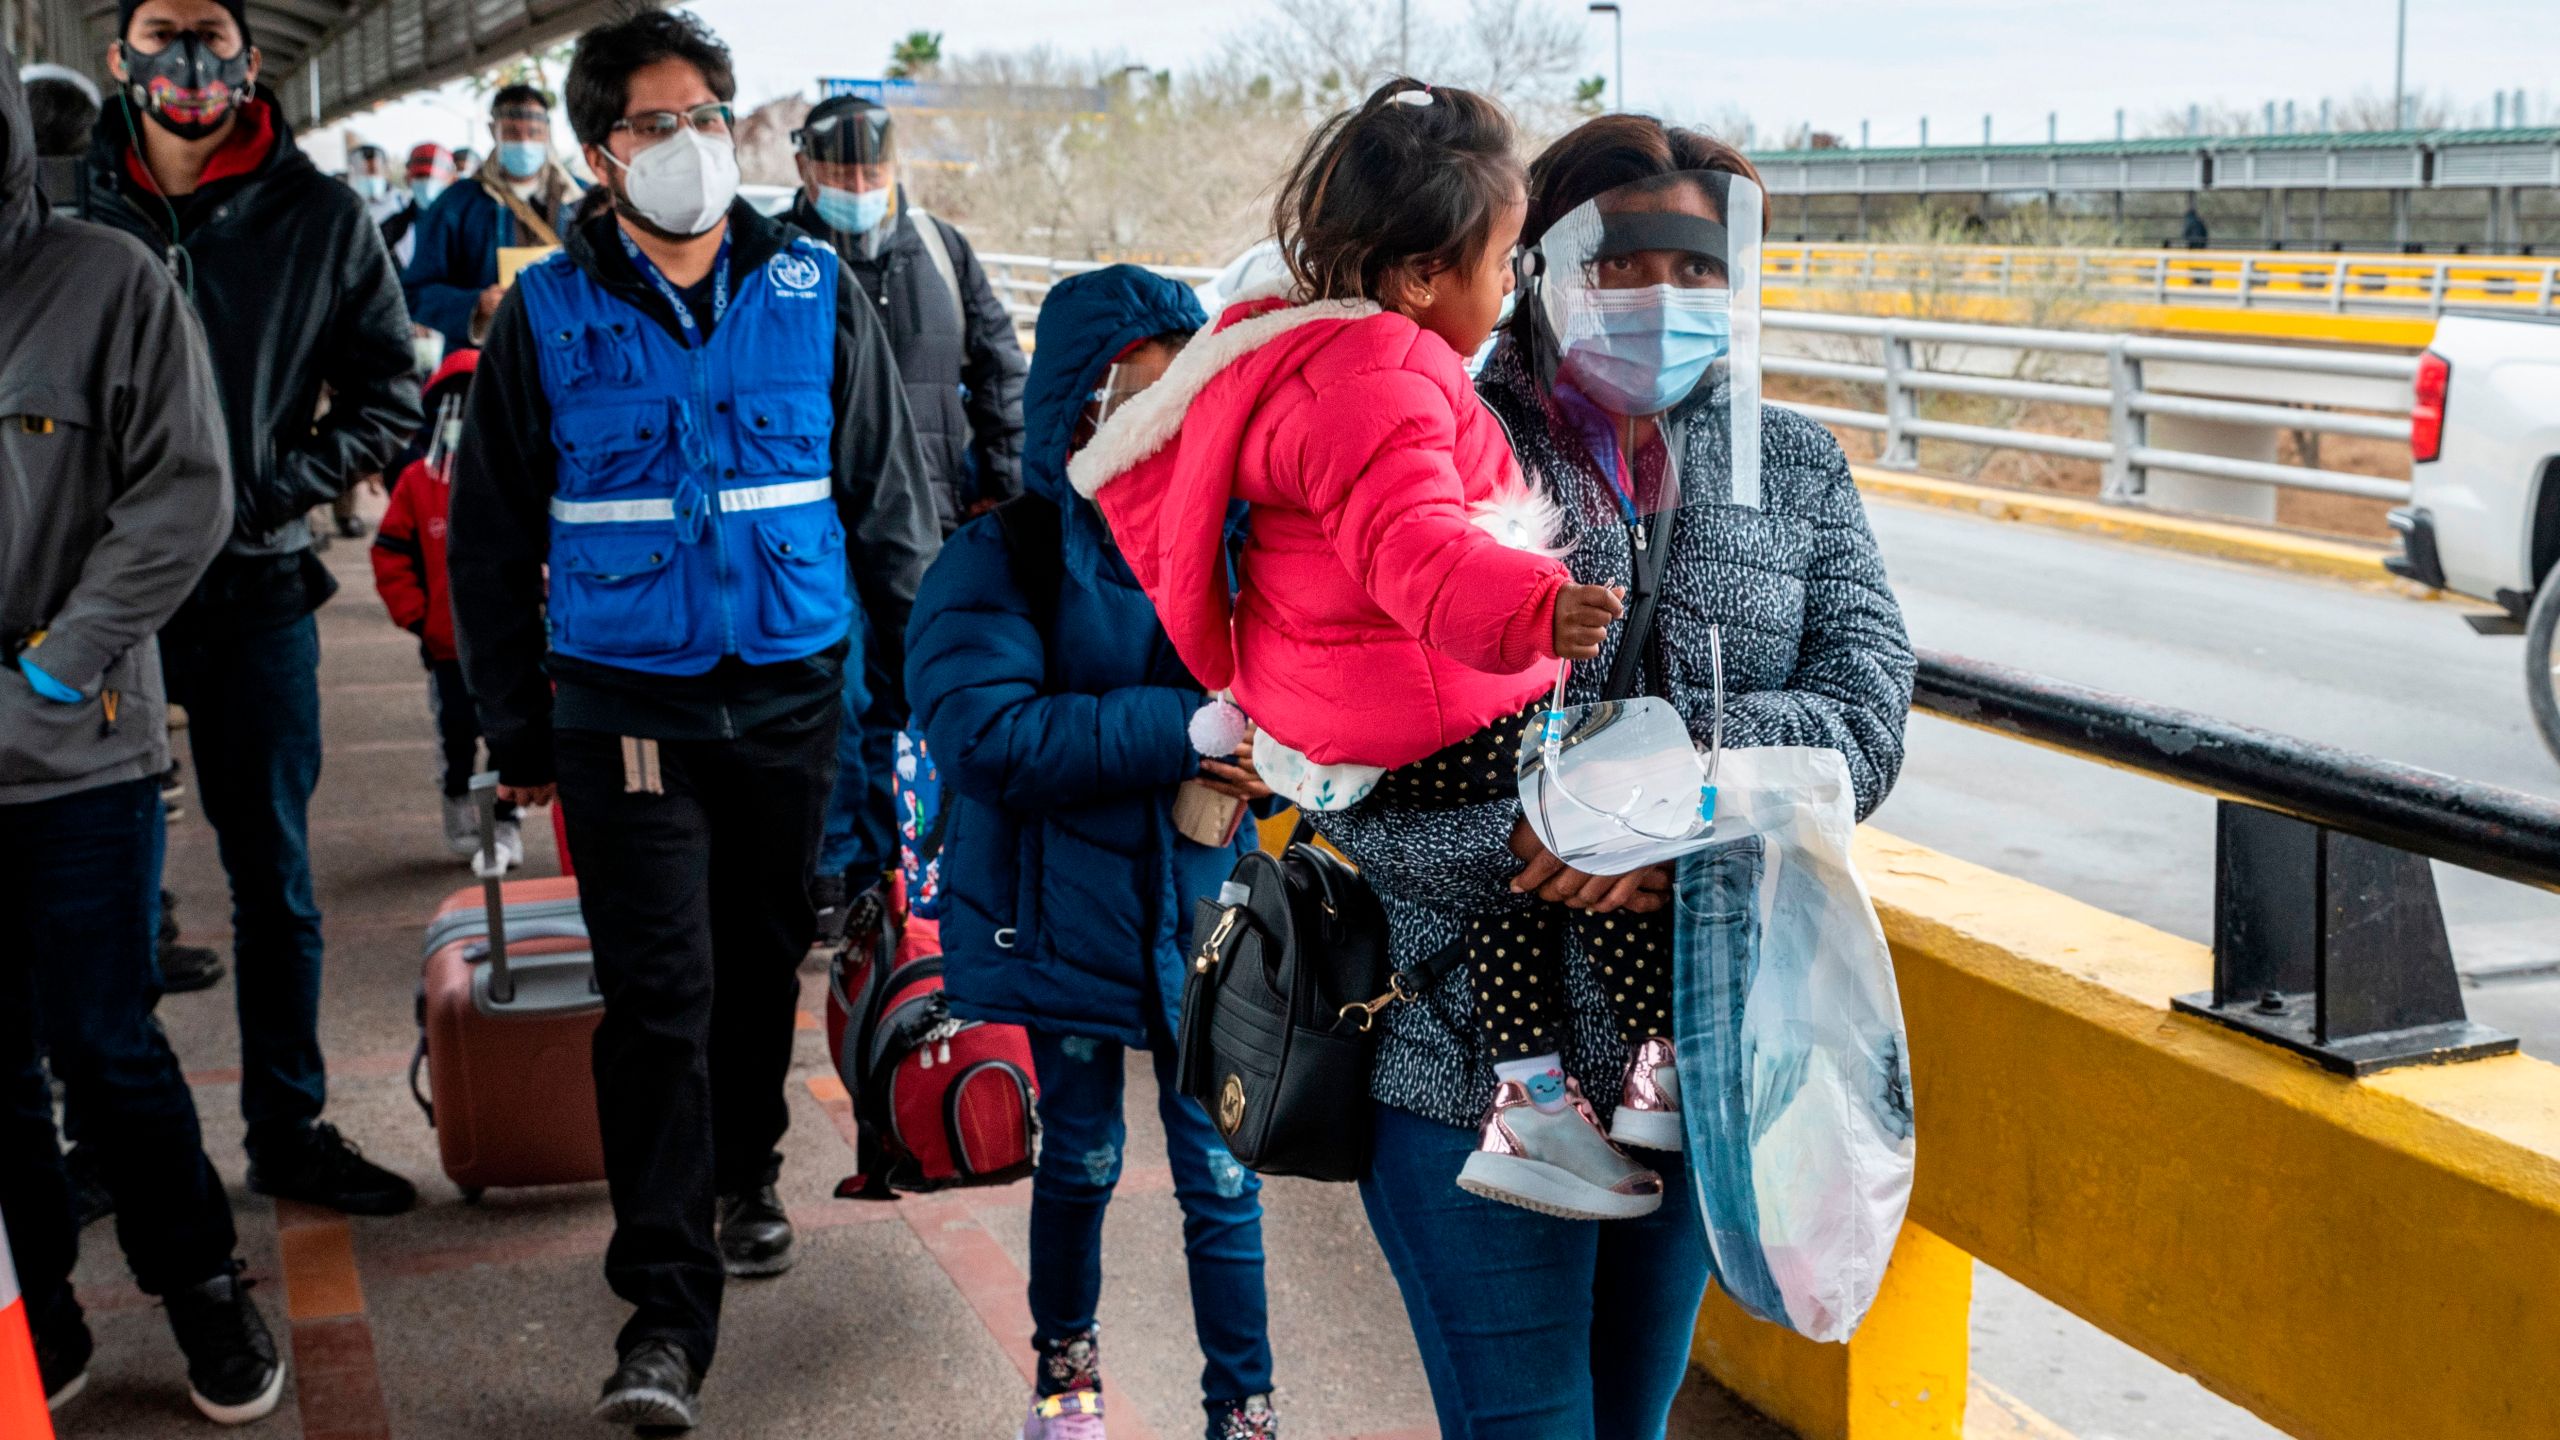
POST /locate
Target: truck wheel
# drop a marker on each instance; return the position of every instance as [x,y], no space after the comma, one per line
[2542,661]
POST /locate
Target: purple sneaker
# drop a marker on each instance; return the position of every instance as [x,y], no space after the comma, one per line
[1068,1415]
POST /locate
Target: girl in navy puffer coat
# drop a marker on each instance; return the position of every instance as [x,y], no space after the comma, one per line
[1057,711]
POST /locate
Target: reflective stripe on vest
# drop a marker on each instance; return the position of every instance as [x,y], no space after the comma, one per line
[749,497]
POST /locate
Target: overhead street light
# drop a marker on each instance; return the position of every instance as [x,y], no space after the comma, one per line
[1618,33]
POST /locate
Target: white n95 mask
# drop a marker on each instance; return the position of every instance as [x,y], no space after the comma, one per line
[684,183]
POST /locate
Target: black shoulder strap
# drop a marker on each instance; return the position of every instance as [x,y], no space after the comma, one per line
[1035,541]
[1641,604]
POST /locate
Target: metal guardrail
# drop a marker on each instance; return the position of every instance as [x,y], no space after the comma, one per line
[2328,938]
[2127,453]
[1023,281]
[2398,285]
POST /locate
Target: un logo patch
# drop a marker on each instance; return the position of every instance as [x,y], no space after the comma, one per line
[797,273]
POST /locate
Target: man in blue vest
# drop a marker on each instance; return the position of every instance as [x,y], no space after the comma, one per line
[521,197]
[692,417]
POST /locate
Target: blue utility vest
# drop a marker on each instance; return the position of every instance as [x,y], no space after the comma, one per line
[694,515]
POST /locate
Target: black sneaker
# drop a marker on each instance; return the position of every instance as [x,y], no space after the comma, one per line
[233,1374]
[654,1387]
[351,526]
[90,1202]
[173,791]
[62,1357]
[755,1235]
[188,968]
[325,1169]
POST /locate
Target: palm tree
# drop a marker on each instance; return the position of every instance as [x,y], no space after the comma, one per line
[915,57]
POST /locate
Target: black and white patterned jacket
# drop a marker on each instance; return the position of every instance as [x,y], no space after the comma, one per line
[1815,654]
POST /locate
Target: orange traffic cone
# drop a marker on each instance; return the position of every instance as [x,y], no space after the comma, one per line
[23,1415]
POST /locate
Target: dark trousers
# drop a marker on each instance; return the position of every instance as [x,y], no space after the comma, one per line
[1534,1328]
[457,730]
[253,722]
[697,901]
[79,973]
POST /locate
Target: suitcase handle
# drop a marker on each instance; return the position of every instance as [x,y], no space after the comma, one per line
[486,864]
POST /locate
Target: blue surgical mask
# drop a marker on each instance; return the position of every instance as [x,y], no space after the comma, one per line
[853,212]
[523,159]
[373,187]
[426,191]
[1651,346]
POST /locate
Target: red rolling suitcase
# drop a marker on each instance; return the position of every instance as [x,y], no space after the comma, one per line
[507,1011]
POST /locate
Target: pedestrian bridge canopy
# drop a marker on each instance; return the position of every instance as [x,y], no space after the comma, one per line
[326,58]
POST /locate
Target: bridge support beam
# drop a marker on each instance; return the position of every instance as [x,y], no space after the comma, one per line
[1902,1377]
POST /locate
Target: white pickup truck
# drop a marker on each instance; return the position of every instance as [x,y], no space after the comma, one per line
[2483,518]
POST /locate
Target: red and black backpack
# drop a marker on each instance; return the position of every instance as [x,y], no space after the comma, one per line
[937,1101]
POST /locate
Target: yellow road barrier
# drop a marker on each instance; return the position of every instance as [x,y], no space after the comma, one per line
[2349,1259]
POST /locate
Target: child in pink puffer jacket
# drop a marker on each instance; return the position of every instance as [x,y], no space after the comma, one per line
[1398,591]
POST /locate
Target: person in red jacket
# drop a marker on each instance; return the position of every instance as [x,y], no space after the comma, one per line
[408,572]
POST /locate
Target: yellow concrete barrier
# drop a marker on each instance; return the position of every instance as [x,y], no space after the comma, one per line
[2351,1260]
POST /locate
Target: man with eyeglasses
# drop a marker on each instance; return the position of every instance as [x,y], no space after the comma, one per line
[192,156]
[963,369]
[522,197]
[692,418]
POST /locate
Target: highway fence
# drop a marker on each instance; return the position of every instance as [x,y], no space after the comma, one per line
[2207,415]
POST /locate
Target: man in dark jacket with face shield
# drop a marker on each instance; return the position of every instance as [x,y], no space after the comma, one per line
[296,293]
[114,495]
[962,367]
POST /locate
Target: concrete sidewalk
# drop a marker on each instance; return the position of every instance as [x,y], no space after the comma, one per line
[492,1321]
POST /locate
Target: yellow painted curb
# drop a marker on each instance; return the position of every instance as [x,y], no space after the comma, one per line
[1991,1413]
[2222,540]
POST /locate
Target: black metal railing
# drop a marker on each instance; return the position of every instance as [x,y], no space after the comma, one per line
[2328,937]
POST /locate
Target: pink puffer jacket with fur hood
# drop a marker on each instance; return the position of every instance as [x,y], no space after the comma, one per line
[1380,617]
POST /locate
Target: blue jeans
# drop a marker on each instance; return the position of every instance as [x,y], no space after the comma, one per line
[1082,1140]
[79,973]
[253,723]
[862,825]
[1529,1326]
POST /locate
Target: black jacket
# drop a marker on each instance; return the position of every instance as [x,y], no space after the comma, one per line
[499,535]
[297,294]
[964,385]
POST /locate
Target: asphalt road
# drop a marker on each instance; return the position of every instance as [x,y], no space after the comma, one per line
[2368,670]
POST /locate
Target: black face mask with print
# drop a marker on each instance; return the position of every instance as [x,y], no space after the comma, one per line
[184,87]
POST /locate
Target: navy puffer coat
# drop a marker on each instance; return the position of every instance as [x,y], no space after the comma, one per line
[1061,736]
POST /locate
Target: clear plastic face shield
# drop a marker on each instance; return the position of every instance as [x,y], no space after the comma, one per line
[853,146]
[1645,315]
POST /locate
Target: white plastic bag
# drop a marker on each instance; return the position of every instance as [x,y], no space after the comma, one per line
[1794,1073]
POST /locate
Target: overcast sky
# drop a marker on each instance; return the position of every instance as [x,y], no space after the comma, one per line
[1828,62]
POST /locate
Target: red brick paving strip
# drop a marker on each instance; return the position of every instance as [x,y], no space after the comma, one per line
[337,1383]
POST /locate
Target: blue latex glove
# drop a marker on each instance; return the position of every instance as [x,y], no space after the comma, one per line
[46,686]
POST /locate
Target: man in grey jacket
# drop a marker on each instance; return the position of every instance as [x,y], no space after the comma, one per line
[114,496]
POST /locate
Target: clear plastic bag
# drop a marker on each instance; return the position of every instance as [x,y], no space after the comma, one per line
[1794,1072]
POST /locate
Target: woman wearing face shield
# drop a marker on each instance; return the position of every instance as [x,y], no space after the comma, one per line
[1627,378]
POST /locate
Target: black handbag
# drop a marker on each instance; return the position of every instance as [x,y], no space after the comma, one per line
[1279,999]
